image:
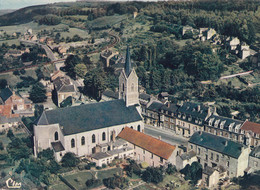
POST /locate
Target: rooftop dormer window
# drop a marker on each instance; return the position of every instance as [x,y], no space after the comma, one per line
[231,126]
[216,123]
[222,124]
[210,121]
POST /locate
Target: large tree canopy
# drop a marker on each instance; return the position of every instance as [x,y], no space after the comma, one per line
[38,93]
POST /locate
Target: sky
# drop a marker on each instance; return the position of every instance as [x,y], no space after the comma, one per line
[17,4]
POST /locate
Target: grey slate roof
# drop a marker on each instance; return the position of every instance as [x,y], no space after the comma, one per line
[89,117]
[128,65]
[62,84]
[144,96]
[216,143]
[188,155]
[57,146]
[111,94]
[155,106]
[255,152]
[193,112]
[226,121]
[208,170]
[5,94]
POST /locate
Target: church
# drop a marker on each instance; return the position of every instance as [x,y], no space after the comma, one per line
[81,129]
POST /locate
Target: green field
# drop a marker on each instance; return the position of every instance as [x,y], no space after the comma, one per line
[106,20]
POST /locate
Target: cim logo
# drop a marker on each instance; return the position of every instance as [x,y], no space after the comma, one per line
[11,184]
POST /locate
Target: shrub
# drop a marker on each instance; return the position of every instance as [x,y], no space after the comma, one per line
[10,134]
[16,72]
[104,165]
[81,167]
[3,174]
[69,160]
[87,167]
[92,183]
[98,168]
[22,71]
[1,145]
[92,164]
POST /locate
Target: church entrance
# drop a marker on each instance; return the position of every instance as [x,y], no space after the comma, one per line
[93,150]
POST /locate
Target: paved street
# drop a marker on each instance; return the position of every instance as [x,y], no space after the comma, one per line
[166,135]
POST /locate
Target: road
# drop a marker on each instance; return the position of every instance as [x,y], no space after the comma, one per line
[48,51]
[166,135]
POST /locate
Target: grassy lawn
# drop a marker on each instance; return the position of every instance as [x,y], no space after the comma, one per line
[79,179]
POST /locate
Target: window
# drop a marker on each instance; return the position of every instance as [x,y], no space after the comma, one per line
[103,136]
[93,138]
[139,128]
[211,156]
[123,87]
[151,155]
[161,159]
[191,147]
[56,136]
[60,154]
[227,163]
[206,158]
[144,151]
[131,127]
[72,143]
[217,159]
[198,150]
[82,140]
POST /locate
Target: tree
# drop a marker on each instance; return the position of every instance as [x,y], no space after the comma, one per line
[70,64]
[47,153]
[81,70]
[38,93]
[3,83]
[171,169]
[69,160]
[1,145]
[192,172]
[152,174]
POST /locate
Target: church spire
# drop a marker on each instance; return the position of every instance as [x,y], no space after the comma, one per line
[128,66]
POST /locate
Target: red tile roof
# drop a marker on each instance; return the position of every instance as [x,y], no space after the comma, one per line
[250,126]
[147,142]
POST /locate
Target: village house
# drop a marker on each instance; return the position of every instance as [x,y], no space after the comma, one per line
[254,160]
[225,127]
[211,176]
[190,117]
[13,105]
[79,129]
[214,151]
[185,158]
[149,149]
[151,113]
[251,133]
[186,29]
[7,123]
[117,149]
[63,88]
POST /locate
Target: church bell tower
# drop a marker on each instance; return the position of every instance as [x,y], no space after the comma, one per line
[128,83]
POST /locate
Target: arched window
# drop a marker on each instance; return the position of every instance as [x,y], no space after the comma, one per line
[82,140]
[93,138]
[103,136]
[123,87]
[132,87]
[131,127]
[56,136]
[72,143]
[139,128]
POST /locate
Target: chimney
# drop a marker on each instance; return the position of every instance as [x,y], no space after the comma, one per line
[159,137]
[113,136]
[198,108]
[169,104]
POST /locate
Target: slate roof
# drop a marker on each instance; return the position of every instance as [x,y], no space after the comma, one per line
[111,94]
[192,112]
[89,117]
[216,143]
[251,126]
[128,65]
[170,108]
[255,152]
[63,84]
[5,94]
[225,120]
[144,96]
[208,170]
[57,146]
[155,106]
[188,155]
[151,144]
